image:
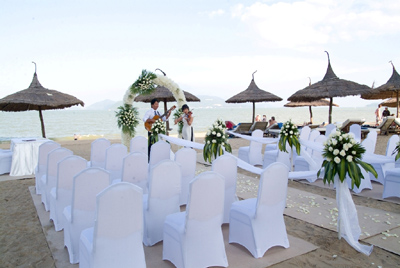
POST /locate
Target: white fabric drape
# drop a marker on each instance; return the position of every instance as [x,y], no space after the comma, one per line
[251,138]
[348,226]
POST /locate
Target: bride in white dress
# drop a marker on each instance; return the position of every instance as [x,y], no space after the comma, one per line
[187,119]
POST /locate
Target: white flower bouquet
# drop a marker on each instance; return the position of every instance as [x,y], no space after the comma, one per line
[216,140]
[144,84]
[289,133]
[343,157]
[127,119]
[158,127]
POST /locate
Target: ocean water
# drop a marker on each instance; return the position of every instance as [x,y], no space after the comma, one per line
[94,124]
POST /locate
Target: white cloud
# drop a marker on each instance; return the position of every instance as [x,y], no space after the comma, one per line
[309,23]
[214,13]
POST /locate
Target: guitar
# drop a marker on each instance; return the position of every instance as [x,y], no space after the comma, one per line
[147,125]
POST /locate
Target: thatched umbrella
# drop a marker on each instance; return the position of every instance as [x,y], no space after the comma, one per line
[330,86]
[164,94]
[321,102]
[253,94]
[389,90]
[36,97]
[392,102]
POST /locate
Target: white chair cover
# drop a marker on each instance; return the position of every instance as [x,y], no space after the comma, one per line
[40,170]
[277,156]
[313,135]
[98,152]
[193,239]
[329,128]
[116,238]
[80,214]
[5,161]
[139,144]
[135,169]
[187,158]
[356,130]
[226,165]
[381,168]
[257,223]
[48,181]
[159,151]
[252,154]
[61,195]
[114,158]
[391,186]
[162,200]
[305,132]
[371,137]
[302,164]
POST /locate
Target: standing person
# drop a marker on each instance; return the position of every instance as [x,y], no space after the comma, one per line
[264,119]
[378,115]
[148,118]
[187,119]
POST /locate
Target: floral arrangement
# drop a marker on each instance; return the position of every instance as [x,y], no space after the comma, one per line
[397,151]
[144,84]
[289,133]
[127,119]
[343,157]
[158,127]
[216,140]
[177,114]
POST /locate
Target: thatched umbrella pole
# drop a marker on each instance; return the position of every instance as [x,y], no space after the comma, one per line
[41,122]
[254,111]
[311,117]
[330,109]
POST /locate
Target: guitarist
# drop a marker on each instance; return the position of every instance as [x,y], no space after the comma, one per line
[148,118]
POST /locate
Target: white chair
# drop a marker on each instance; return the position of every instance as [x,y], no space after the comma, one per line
[41,168]
[356,130]
[135,169]
[277,155]
[114,158]
[98,152]
[302,164]
[80,214]
[48,181]
[61,194]
[391,186]
[370,142]
[226,165]
[381,168]
[305,132]
[139,144]
[116,238]
[162,199]
[5,161]
[252,154]
[159,151]
[329,128]
[257,223]
[187,158]
[194,238]
[313,135]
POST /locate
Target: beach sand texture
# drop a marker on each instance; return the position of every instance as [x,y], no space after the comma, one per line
[23,243]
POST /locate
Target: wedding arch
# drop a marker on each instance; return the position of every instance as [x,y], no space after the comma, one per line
[128,116]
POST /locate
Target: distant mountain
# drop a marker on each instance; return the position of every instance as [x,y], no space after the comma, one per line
[101,105]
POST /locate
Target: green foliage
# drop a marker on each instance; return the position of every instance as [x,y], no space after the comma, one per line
[343,157]
[144,84]
[127,119]
[397,151]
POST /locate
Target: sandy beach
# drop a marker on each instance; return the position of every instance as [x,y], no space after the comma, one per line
[23,243]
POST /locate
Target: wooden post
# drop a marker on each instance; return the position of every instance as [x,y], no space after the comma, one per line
[311,117]
[41,122]
[254,112]
[330,110]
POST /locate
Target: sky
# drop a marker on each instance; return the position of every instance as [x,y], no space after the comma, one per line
[95,50]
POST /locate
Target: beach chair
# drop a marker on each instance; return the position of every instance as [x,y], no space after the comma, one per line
[259,125]
[193,239]
[273,130]
[226,165]
[187,158]
[80,214]
[135,169]
[346,124]
[114,160]
[243,128]
[116,238]
[258,223]
[162,199]
[385,125]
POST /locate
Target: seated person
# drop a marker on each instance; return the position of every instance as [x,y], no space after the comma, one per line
[230,125]
[258,118]
[264,119]
[324,124]
[272,121]
[386,112]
